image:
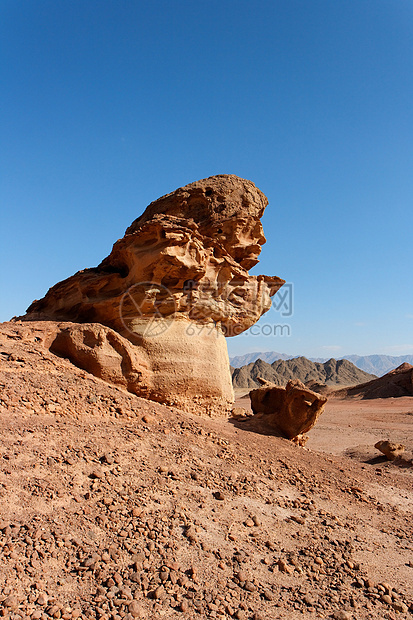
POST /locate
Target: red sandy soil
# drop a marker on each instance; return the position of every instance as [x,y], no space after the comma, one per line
[115,507]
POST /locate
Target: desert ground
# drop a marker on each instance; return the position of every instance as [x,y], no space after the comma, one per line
[117,507]
[351,427]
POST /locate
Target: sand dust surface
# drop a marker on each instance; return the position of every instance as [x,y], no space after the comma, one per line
[116,507]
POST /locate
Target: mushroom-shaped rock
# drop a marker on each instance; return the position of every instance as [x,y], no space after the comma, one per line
[390,450]
[290,411]
[174,286]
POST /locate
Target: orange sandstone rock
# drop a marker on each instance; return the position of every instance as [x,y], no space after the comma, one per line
[292,411]
[173,287]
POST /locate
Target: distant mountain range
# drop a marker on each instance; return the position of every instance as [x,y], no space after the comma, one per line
[265,356]
[379,364]
[332,373]
[373,364]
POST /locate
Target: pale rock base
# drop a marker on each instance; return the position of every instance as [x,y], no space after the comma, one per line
[178,363]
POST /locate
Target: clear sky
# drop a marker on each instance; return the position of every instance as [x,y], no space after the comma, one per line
[108,104]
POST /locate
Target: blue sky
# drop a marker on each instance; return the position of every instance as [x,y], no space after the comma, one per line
[109,104]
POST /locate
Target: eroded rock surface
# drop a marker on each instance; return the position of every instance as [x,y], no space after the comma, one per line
[292,411]
[174,286]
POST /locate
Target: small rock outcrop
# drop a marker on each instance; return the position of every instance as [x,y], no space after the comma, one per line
[173,287]
[100,351]
[291,411]
[390,450]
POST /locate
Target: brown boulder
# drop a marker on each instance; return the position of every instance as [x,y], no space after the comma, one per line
[390,450]
[291,411]
[174,286]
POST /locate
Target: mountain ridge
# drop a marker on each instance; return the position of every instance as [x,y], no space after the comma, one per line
[332,372]
[376,364]
[396,383]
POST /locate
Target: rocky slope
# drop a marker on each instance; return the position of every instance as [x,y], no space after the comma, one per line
[116,507]
[332,372]
[394,384]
